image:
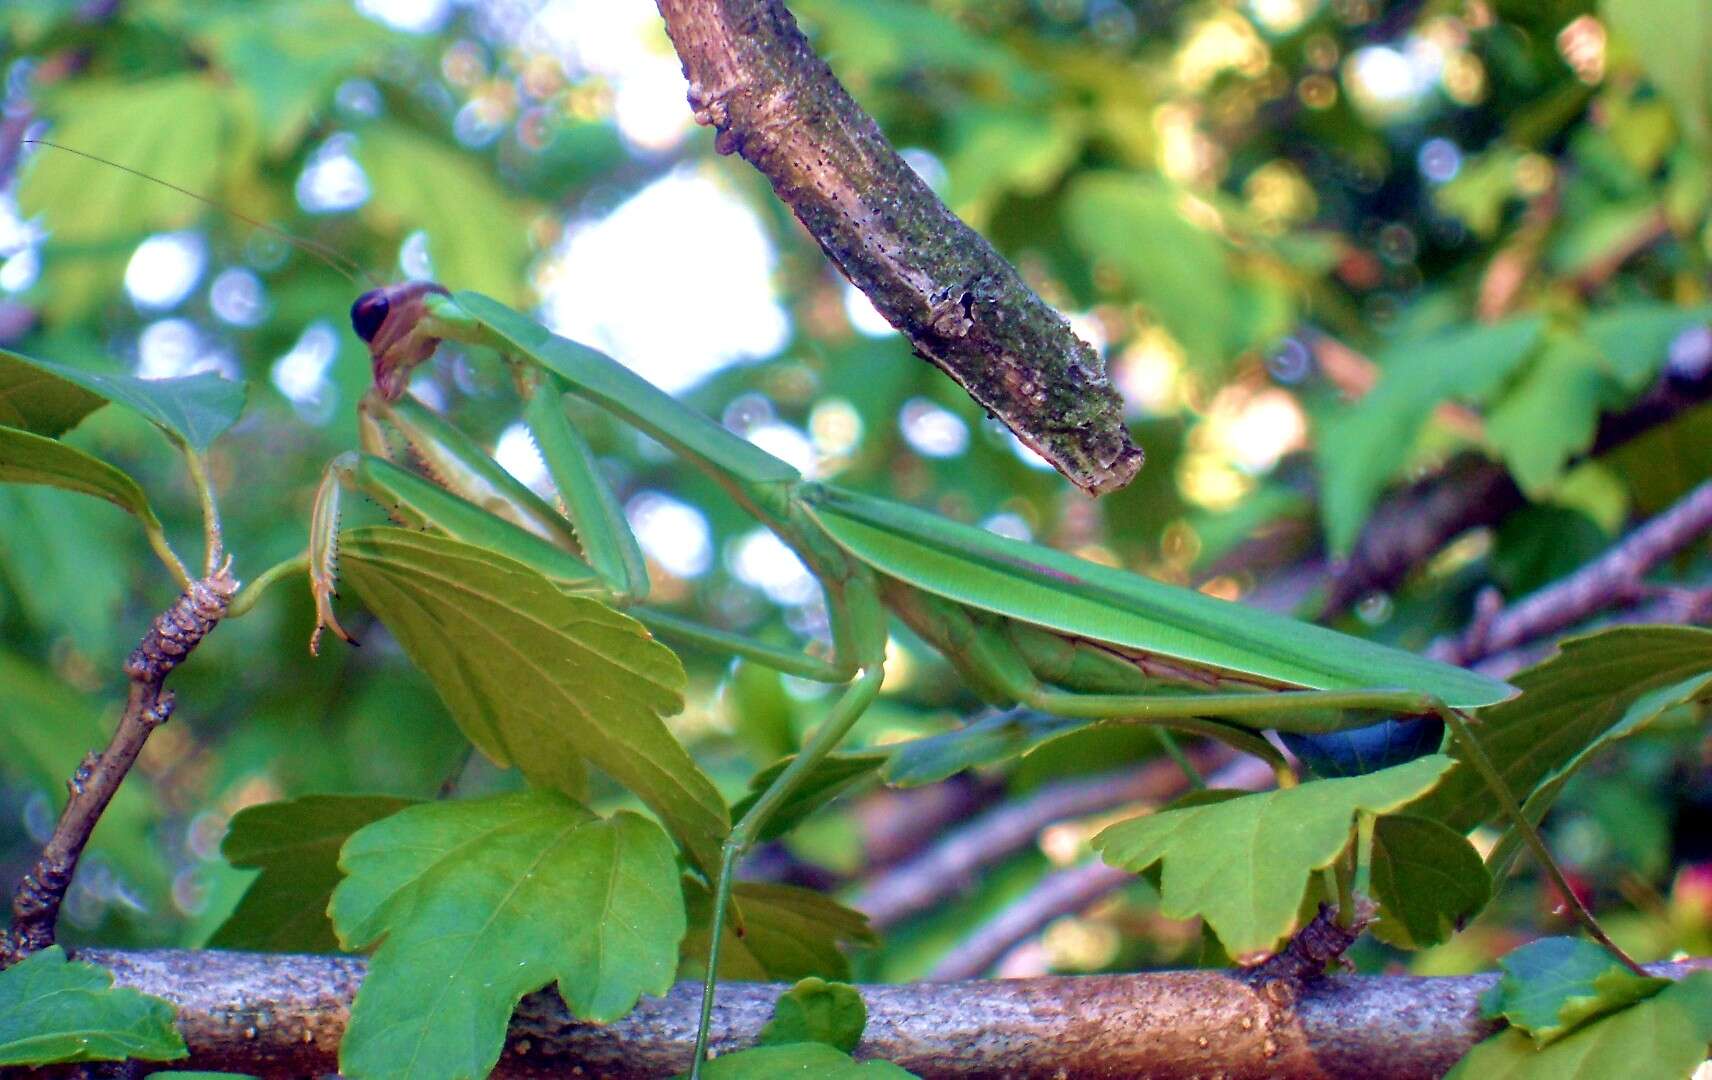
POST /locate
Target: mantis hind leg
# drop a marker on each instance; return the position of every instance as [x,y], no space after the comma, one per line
[860,630]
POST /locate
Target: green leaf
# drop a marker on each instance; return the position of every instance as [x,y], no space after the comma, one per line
[1552,986]
[1242,864]
[1640,713]
[1550,415]
[1570,706]
[788,933]
[170,127]
[484,901]
[538,677]
[1130,222]
[36,399]
[1671,40]
[887,39]
[1428,880]
[53,1010]
[1661,1038]
[810,1061]
[34,459]
[1634,339]
[815,1010]
[833,776]
[289,59]
[67,560]
[295,845]
[1362,446]
[477,236]
[195,409]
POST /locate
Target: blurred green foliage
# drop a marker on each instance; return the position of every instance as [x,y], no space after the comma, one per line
[1493,213]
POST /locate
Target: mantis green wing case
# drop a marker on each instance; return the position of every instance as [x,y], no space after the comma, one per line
[1082,599]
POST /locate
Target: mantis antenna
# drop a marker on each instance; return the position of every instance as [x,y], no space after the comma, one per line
[334,258]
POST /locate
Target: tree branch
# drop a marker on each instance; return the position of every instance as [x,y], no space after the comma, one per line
[954,861]
[1613,578]
[754,77]
[280,1015]
[1414,523]
[170,638]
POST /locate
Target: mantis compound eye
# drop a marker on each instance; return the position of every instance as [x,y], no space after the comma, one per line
[368,313]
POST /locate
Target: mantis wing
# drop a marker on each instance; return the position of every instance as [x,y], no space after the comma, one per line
[1048,588]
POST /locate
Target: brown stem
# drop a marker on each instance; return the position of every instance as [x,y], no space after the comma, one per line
[754,77]
[953,863]
[1064,892]
[170,638]
[1060,893]
[1416,522]
[281,1015]
[1613,578]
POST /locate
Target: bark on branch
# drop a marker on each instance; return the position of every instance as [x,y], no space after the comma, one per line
[170,638]
[1416,522]
[281,1015]
[754,77]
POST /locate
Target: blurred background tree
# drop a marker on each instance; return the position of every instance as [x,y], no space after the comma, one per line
[1327,247]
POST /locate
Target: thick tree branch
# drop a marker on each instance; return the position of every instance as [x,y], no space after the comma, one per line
[281,1015]
[754,77]
[170,638]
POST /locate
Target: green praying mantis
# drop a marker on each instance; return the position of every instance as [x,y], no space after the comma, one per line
[1021,624]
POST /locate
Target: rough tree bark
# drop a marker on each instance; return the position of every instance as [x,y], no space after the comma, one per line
[754,77]
[281,1015]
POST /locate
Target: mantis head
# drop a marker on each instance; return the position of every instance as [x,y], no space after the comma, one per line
[392,320]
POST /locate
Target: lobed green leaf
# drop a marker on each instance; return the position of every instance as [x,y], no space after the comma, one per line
[1243,864]
[1428,881]
[788,933]
[1596,689]
[538,677]
[1661,1038]
[1552,986]
[55,1010]
[49,399]
[815,1010]
[476,904]
[295,844]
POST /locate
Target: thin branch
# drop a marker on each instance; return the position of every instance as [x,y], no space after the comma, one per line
[754,77]
[954,863]
[1060,893]
[1412,525]
[282,1015]
[1614,578]
[170,638]
[1067,892]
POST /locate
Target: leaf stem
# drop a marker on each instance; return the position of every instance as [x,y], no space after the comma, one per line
[213,544]
[250,594]
[163,551]
[1531,836]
